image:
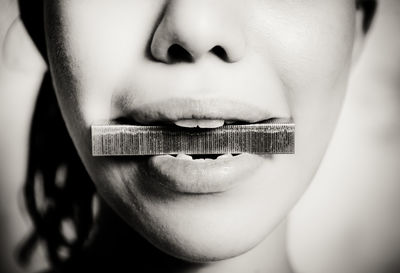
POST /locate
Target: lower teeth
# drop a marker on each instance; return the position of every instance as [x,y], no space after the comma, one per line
[198,157]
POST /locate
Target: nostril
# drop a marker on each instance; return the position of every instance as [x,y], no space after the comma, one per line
[177,53]
[220,52]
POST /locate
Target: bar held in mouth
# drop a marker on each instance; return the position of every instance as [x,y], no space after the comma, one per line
[275,136]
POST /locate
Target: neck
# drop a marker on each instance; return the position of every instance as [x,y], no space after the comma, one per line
[115,244]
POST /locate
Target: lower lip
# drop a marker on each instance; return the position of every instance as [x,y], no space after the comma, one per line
[203,176]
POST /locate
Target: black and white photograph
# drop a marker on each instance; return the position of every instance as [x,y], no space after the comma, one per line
[200,136]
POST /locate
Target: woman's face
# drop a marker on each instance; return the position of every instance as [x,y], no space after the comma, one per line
[179,61]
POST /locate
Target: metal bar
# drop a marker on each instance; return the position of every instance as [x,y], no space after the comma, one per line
[273,137]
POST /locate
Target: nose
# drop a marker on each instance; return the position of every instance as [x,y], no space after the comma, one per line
[190,29]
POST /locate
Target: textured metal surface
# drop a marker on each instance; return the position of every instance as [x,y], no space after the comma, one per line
[275,137]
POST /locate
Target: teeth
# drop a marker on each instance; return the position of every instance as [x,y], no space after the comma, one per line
[184,157]
[201,123]
[188,157]
[225,156]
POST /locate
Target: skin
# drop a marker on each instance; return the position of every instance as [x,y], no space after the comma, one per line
[292,58]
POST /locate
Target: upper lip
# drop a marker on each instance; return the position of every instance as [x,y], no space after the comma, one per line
[174,109]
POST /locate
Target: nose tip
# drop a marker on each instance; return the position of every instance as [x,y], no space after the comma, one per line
[191,29]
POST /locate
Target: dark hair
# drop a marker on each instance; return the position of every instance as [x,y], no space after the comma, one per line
[57,187]
[369,8]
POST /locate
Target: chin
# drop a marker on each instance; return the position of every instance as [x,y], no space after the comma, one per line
[204,229]
[204,240]
[201,228]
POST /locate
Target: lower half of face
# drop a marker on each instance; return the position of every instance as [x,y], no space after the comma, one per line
[168,61]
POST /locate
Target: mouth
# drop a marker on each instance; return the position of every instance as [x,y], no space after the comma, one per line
[188,172]
[203,113]
[197,173]
[202,174]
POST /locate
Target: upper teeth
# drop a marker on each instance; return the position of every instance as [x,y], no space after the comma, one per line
[201,123]
[184,157]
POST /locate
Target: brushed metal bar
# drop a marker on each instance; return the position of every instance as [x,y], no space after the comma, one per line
[273,137]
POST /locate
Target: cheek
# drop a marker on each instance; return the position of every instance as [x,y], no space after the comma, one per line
[94,47]
[315,56]
[309,43]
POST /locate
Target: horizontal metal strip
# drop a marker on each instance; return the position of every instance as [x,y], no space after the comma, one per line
[130,140]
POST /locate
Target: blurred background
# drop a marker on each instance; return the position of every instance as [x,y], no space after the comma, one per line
[348,220]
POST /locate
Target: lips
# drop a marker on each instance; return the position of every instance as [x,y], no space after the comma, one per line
[192,175]
[179,109]
[202,176]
